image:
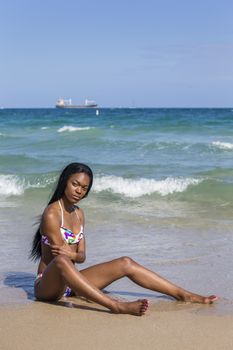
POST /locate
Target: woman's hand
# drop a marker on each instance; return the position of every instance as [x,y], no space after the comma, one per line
[62,250]
[77,256]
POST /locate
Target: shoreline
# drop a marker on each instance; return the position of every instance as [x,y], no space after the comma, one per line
[84,324]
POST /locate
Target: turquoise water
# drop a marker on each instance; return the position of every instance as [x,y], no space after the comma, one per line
[163,189]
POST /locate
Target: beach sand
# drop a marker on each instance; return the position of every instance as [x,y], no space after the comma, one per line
[81,325]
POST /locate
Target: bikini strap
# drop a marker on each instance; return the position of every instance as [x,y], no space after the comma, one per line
[77,214]
[61,213]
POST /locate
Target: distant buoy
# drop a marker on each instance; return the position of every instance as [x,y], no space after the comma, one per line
[97,112]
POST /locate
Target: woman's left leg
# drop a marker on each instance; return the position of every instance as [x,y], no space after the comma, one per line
[102,275]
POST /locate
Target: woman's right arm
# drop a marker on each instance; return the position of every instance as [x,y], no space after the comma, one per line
[50,226]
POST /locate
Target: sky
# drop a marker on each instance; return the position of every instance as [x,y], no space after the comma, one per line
[150,53]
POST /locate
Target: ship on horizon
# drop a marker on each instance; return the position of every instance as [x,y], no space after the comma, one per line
[67,103]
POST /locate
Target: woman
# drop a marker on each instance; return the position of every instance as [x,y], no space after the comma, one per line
[59,243]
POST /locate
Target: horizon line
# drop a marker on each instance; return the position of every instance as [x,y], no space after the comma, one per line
[122,107]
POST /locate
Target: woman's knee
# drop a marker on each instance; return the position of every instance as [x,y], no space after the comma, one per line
[127,263]
[61,261]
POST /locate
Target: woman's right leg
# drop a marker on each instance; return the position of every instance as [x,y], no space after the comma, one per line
[101,275]
[61,272]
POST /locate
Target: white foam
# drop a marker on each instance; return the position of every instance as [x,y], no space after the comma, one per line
[73,128]
[137,188]
[44,127]
[10,185]
[40,183]
[223,145]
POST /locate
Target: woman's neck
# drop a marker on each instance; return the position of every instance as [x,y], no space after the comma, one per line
[68,206]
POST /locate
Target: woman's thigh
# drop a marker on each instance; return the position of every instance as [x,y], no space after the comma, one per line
[51,285]
[101,275]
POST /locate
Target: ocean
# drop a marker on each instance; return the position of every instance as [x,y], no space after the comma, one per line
[162,192]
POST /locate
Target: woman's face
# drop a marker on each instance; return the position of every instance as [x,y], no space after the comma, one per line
[77,186]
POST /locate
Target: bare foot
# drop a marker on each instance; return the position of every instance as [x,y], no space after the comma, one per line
[137,308]
[195,298]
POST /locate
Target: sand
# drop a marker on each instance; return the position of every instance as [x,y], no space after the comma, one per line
[77,324]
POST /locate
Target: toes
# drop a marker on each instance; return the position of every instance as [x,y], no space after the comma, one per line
[213,298]
[210,299]
[144,306]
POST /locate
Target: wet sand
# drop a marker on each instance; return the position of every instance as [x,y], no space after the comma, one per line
[79,324]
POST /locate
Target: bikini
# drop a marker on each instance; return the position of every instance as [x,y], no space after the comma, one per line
[68,236]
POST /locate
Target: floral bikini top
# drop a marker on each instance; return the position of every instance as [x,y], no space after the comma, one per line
[68,236]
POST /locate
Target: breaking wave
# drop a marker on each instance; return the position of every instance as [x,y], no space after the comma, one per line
[12,185]
[73,128]
[137,188]
[223,145]
[203,188]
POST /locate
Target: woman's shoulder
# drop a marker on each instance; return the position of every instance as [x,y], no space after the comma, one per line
[51,219]
[52,211]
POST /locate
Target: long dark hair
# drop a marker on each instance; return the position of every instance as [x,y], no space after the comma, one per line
[69,170]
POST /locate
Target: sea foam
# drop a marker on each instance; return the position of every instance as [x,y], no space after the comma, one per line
[137,188]
[223,145]
[73,128]
[10,185]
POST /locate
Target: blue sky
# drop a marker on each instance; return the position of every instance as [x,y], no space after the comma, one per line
[168,53]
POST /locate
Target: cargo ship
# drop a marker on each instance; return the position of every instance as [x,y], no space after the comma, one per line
[67,103]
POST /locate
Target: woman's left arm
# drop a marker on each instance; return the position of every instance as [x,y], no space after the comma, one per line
[78,256]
